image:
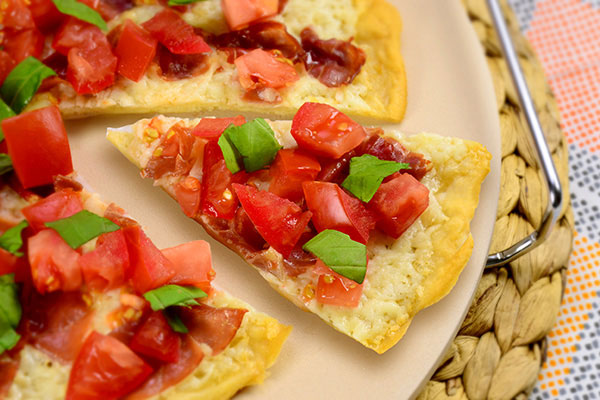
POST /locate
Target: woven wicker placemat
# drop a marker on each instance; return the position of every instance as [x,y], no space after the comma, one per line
[501,344]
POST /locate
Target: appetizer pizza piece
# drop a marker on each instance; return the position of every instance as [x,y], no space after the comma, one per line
[90,308]
[266,56]
[362,227]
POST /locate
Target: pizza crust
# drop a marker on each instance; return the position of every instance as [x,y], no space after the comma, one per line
[404,275]
[379,90]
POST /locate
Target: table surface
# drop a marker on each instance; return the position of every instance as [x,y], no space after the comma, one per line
[566,36]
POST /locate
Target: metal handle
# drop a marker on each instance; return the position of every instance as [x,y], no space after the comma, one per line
[552,181]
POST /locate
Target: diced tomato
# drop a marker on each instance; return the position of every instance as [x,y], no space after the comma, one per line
[6,65]
[171,374]
[174,155]
[335,289]
[214,326]
[192,263]
[54,265]
[176,34]
[333,208]
[290,168]
[58,205]
[56,323]
[149,267]
[38,146]
[240,13]
[260,68]
[16,16]
[218,197]
[8,262]
[135,51]
[279,221]
[77,33]
[211,128]
[23,44]
[156,339]
[105,369]
[109,9]
[8,370]
[45,14]
[398,203]
[105,267]
[187,193]
[325,131]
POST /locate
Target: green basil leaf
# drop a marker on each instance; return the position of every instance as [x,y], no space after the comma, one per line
[255,142]
[10,308]
[230,154]
[174,321]
[8,337]
[23,82]
[5,112]
[80,11]
[82,227]
[340,253]
[6,164]
[366,174]
[182,2]
[12,241]
[173,295]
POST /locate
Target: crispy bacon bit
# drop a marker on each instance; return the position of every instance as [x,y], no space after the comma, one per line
[333,62]
[391,150]
[173,154]
[117,215]
[66,182]
[267,35]
[180,66]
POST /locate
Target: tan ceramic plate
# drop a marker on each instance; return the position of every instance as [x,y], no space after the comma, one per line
[450,92]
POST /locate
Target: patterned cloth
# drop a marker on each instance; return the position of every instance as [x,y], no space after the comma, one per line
[566,37]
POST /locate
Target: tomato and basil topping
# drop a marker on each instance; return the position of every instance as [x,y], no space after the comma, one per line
[12,239]
[212,128]
[259,69]
[82,227]
[135,51]
[80,11]
[23,82]
[251,145]
[239,13]
[366,174]
[335,289]
[175,34]
[173,295]
[290,169]
[10,313]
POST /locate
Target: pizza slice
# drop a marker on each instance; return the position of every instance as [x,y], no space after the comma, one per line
[266,56]
[91,308]
[361,226]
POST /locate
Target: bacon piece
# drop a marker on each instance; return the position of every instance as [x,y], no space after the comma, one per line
[180,66]
[333,62]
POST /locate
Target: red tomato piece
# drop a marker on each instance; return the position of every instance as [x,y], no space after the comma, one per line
[177,35]
[6,65]
[290,168]
[214,326]
[105,267]
[187,193]
[56,323]
[211,128]
[135,51]
[38,146]
[8,370]
[23,44]
[156,339]
[279,221]
[149,268]
[333,208]
[325,131]
[54,265]
[245,228]
[105,369]
[218,197]
[335,289]
[45,15]
[16,16]
[77,33]
[398,203]
[260,68]
[8,262]
[171,374]
[58,205]
[240,13]
[91,70]
[192,263]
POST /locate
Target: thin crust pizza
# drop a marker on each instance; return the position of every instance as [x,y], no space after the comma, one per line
[264,56]
[360,226]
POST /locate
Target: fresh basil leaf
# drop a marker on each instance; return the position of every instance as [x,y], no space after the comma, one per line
[10,308]
[23,82]
[366,174]
[230,154]
[12,241]
[173,295]
[6,164]
[5,112]
[255,142]
[8,337]
[80,11]
[340,253]
[174,321]
[82,227]
[182,2]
